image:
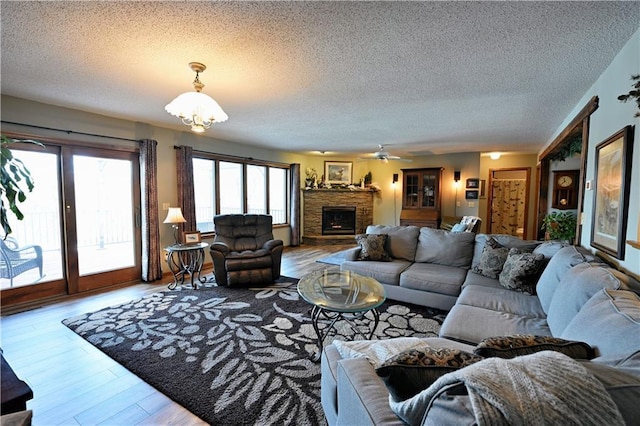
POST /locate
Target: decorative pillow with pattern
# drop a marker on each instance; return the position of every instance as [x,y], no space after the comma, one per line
[372,247]
[526,344]
[492,259]
[521,271]
[414,370]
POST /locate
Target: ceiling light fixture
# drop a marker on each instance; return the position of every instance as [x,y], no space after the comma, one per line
[495,155]
[196,109]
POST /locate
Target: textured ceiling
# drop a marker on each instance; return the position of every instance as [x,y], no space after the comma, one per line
[418,77]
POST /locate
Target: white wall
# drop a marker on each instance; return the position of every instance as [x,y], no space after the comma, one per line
[611,116]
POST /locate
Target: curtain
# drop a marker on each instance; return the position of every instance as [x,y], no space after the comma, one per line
[295,204]
[151,267]
[186,195]
[507,210]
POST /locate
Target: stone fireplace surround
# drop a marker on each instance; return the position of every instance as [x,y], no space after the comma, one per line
[315,199]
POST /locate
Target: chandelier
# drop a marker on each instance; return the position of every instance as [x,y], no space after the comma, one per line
[196,109]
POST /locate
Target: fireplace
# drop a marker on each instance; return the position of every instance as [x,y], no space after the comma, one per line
[338,220]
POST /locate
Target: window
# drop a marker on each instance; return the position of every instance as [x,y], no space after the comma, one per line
[226,185]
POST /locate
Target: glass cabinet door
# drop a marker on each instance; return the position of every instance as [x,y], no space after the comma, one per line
[412,190]
[429,190]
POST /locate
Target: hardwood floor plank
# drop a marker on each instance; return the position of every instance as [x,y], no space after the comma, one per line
[74,383]
[115,404]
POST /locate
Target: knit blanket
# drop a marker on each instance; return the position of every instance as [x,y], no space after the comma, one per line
[539,389]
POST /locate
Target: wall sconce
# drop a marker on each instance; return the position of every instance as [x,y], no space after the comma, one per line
[174,216]
[395,178]
[456,176]
[495,155]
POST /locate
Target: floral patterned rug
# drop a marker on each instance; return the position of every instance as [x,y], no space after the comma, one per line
[233,356]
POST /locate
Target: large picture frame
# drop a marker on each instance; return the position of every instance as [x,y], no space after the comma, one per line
[611,196]
[338,172]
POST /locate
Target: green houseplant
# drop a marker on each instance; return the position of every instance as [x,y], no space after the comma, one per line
[633,94]
[15,179]
[560,226]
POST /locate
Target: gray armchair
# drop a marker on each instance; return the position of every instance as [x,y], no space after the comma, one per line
[244,251]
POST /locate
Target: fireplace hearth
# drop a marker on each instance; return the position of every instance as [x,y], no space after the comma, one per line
[338,220]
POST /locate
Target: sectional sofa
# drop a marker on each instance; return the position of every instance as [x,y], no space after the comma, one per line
[576,300]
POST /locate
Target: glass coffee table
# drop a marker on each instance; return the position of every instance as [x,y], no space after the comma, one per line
[341,296]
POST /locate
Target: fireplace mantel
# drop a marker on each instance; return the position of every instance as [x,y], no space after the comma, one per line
[315,199]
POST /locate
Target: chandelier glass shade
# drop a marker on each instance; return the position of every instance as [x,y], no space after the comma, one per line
[196,109]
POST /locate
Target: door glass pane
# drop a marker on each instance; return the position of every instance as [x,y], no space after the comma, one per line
[231,188]
[104,214]
[204,189]
[35,240]
[278,194]
[256,189]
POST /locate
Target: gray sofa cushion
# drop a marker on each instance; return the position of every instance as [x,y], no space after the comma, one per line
[433,278]
[623,387]
[508,241]
[445,248]
[385,272]
[577,286]
[502,300]
[565,259]
[402,241]
[474,279]
[609,322]
[549,248]
[471,324]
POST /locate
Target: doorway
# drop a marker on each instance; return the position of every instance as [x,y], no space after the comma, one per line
[80,223]
[508,201]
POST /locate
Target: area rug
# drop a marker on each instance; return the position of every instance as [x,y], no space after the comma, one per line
[232,356]
[334,258]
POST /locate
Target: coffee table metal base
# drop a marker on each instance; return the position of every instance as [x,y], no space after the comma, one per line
[332,316]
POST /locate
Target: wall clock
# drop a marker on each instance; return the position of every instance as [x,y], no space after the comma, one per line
[565,189]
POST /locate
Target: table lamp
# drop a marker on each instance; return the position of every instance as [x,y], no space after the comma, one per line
[174,216]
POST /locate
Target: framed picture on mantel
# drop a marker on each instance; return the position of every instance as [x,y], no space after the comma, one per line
[338,172]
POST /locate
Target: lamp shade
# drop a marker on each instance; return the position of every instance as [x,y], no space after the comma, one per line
[174,215]
[196,110]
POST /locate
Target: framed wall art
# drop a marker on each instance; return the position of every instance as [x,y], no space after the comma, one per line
[611,195]
[473,183]
[338,172]
[471,195]
[191,237]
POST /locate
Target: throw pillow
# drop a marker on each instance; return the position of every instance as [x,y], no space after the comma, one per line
[372,247]
[414,370]
[459,227]
[492,259]
[526,344]
[520,271]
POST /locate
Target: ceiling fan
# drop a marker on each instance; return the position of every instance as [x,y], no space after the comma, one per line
[384,156]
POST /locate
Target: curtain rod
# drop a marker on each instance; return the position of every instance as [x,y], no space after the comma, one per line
[70,131]
[231,157]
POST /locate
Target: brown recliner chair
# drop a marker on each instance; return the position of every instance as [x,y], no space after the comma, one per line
[244,251]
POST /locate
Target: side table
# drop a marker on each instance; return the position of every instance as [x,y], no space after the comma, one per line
[186,259]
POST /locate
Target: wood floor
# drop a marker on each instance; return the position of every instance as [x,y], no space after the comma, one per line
[76,384]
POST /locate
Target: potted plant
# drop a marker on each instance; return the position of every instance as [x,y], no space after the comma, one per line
[15,179]
[367,179]
[560,226]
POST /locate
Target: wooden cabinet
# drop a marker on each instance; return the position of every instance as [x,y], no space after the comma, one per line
[421,197]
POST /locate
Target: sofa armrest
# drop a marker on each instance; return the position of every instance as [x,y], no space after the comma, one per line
[363,397]
[221,247]
[271,244]
[352,253]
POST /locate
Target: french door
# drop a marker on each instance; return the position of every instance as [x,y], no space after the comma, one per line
[80,229]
